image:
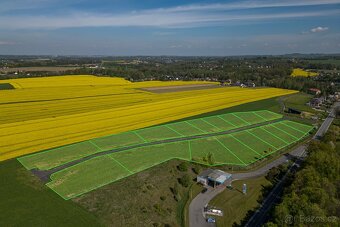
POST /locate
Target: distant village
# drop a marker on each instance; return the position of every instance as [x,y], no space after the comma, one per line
[237,83]
[320,100]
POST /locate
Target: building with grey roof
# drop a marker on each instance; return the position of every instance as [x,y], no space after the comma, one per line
[213,177]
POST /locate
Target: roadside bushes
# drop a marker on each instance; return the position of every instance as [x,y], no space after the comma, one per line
[185,180]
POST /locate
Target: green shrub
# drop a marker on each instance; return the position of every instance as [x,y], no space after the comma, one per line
[183,167]
[175,190]
[196,169]
[210,158]
[185,180]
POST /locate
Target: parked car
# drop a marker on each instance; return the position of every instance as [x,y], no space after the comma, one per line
[211,220]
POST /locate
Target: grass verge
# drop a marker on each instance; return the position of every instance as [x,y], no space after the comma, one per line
[235,204]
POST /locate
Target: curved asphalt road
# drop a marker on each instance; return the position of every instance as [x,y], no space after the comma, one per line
[260,216]
[196,215]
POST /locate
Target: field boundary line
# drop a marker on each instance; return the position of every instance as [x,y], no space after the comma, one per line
[230,151]
[120,164]
[141,137]
[232,136]
[148,167]
[47,151]
[285,132]
[180,158]
[261,139]
[212,125]
[227,122]
[274,135]
[292,127]
[274,113]
[241,119]
[298,123]
[91,188]
[260,116]
[62,196]
[19,160]
[195,126]
[169,127]
[142,143]
[190,152]
[100,149]
[102,137]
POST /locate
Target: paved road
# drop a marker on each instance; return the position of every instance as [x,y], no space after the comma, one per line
[44,175]
[296,153]
[328,121]
[260,216]
[196,217]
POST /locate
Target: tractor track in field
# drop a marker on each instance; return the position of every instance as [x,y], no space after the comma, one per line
[44,175]
[64,99]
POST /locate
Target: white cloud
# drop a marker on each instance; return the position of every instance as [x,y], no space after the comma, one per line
[176,46]
[9,5]
[247,5]
[163,33]
[13,5]
[143,18]
[194,15]
[6,43]
[319,29]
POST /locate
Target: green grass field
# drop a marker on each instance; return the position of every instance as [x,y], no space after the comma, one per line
[235,204]
[240,148]
[58,156]
[142,199]
[26,201]
[6,86]
[87,175]
[335,62]
[298,101]
[55,157]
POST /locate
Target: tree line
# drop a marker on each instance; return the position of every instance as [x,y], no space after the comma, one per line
[313,197]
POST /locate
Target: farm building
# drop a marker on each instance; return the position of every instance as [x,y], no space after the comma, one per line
[213,177]
[293,111]
[314,91]
[316,102]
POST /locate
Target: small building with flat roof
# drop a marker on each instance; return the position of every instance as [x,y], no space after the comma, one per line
[213,177]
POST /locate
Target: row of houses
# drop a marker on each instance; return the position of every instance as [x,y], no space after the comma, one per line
[237,83]
[317,102]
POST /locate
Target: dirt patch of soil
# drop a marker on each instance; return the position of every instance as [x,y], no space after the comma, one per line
[167,89]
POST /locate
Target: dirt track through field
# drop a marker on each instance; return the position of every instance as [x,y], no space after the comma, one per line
[44,175]
[168,89]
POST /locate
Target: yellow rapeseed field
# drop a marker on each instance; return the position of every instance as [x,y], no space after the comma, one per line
[49,112]
[301,72]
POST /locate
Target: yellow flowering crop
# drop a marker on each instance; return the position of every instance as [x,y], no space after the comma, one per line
[54,111]
[301,72]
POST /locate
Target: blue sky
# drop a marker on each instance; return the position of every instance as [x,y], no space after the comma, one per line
[158,27]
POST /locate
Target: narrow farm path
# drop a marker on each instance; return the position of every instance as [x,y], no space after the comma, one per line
[44,175]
